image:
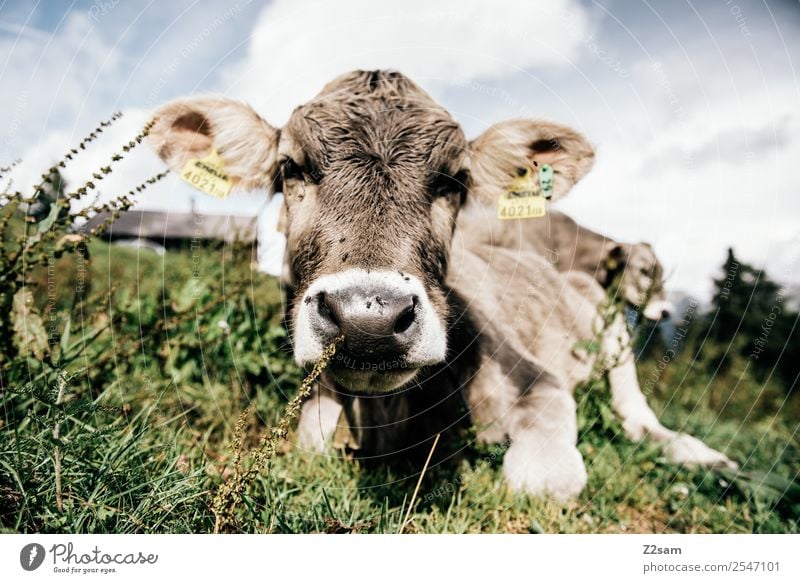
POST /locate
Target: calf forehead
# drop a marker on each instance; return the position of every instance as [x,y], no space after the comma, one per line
[377,118]
[643,257]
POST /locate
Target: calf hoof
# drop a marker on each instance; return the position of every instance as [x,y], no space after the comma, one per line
[685,449]
[547,470]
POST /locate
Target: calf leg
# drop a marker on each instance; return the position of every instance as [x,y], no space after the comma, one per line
[519,401]
[638,419]
[543,457]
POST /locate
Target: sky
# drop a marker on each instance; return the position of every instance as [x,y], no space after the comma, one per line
[692,106]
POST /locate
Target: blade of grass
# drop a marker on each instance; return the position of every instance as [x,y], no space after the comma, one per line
[419,483]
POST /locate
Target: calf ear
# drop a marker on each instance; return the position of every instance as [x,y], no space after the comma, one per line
[192,128]
[613,264]
[508,148]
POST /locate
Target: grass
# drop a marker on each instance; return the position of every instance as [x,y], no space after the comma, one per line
[177,347]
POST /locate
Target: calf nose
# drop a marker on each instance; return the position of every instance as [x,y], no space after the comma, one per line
[379,324]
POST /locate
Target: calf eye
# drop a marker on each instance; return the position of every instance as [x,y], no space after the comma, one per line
[291,170]
[445,184]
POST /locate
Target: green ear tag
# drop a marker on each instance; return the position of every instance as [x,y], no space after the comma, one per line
[546,180]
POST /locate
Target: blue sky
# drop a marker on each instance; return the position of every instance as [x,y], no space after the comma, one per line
[692,105]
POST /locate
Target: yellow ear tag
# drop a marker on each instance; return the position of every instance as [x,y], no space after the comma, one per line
[208,174]
[523,199]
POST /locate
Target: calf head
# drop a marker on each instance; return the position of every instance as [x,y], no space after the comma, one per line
[374,173]
[640,277]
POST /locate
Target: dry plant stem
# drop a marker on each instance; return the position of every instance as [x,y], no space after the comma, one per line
[82,146]
[26,245]
[419,483]
[230,493]
[57,451]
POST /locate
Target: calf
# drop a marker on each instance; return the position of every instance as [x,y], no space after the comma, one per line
[633,269]
[438,326]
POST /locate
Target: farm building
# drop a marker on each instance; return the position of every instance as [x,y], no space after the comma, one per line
[160,230]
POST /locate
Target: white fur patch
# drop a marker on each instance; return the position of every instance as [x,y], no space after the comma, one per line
[318,419]
[430,346]
[685,449]
[307,347]
[656,308]
[543,466]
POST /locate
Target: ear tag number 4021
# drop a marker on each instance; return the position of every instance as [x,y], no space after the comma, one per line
[527,197]
[208,174]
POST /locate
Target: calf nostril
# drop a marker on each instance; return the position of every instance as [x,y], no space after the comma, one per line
[324,309]
[405,320]
[406,317]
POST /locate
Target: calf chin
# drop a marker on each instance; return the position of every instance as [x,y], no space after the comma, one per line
[357,381]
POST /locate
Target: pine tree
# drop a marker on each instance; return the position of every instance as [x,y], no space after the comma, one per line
[51,190]
[749,319]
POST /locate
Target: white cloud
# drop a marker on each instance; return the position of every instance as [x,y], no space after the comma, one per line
[51,78]
[296,48]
